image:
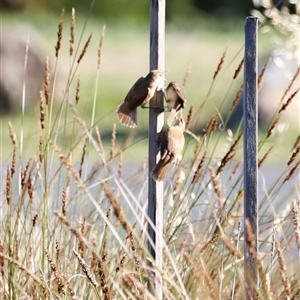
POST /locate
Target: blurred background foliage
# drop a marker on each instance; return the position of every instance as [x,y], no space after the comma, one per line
[133,9]
[197,34]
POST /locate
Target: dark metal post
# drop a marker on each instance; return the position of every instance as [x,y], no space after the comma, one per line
[250,154]
[156,121]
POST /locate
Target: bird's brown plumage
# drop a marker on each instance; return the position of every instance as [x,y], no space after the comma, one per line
[139,94]
[175,99]
[172,143]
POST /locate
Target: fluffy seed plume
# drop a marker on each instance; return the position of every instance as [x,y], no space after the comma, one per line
[84,48]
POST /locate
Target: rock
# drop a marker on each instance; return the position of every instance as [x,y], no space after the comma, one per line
[13,44]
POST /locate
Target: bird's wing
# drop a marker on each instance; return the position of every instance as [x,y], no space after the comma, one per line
[179,92]
[137,93]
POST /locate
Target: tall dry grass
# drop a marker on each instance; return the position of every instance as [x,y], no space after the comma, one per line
[73,216]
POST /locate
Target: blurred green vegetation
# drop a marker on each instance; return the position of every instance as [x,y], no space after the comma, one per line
[133,9]
[196,43]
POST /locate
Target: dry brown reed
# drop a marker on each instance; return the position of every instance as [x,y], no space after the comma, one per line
[189,117]
[100,47]
[64,202]
[296,222]
[260,80]
[220,65]
[13,138]
[47,81]
[82,156]
[212,124]
[59,33]
[99,140]
[8,186]
[292,171]
[77,95]
[186,76]
[83,229]
[261,161]
[215,181]
[272,127]
[239,69]
[290,85]
[84,48]
[121,263]
[295,152]
[72,33]
[34,220]
[71,290]
[237,97]
[2,266]
[85,268]
[120,216]
[229,155]
[235,169]
[199,169]
[113,142]
[288,101]
[21,267]
[178,181]
[57,250]
[231,247]
[120,168]
[42,110]
[41,152]
[284,277]
[58,277]
[252,244]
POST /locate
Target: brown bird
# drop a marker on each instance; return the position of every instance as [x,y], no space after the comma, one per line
[175,99]
[140,93]
[171,145]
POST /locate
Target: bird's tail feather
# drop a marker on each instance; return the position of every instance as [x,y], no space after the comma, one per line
[159,172]
[127,116]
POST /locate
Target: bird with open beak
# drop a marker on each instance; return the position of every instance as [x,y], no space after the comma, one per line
[175,99]
[171,145]
[140,94]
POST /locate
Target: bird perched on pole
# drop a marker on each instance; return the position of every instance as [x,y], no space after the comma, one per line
[175,99]
[140,93]
[171,145]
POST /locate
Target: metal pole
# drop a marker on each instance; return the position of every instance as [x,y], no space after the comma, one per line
[250,155]
[156,121]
